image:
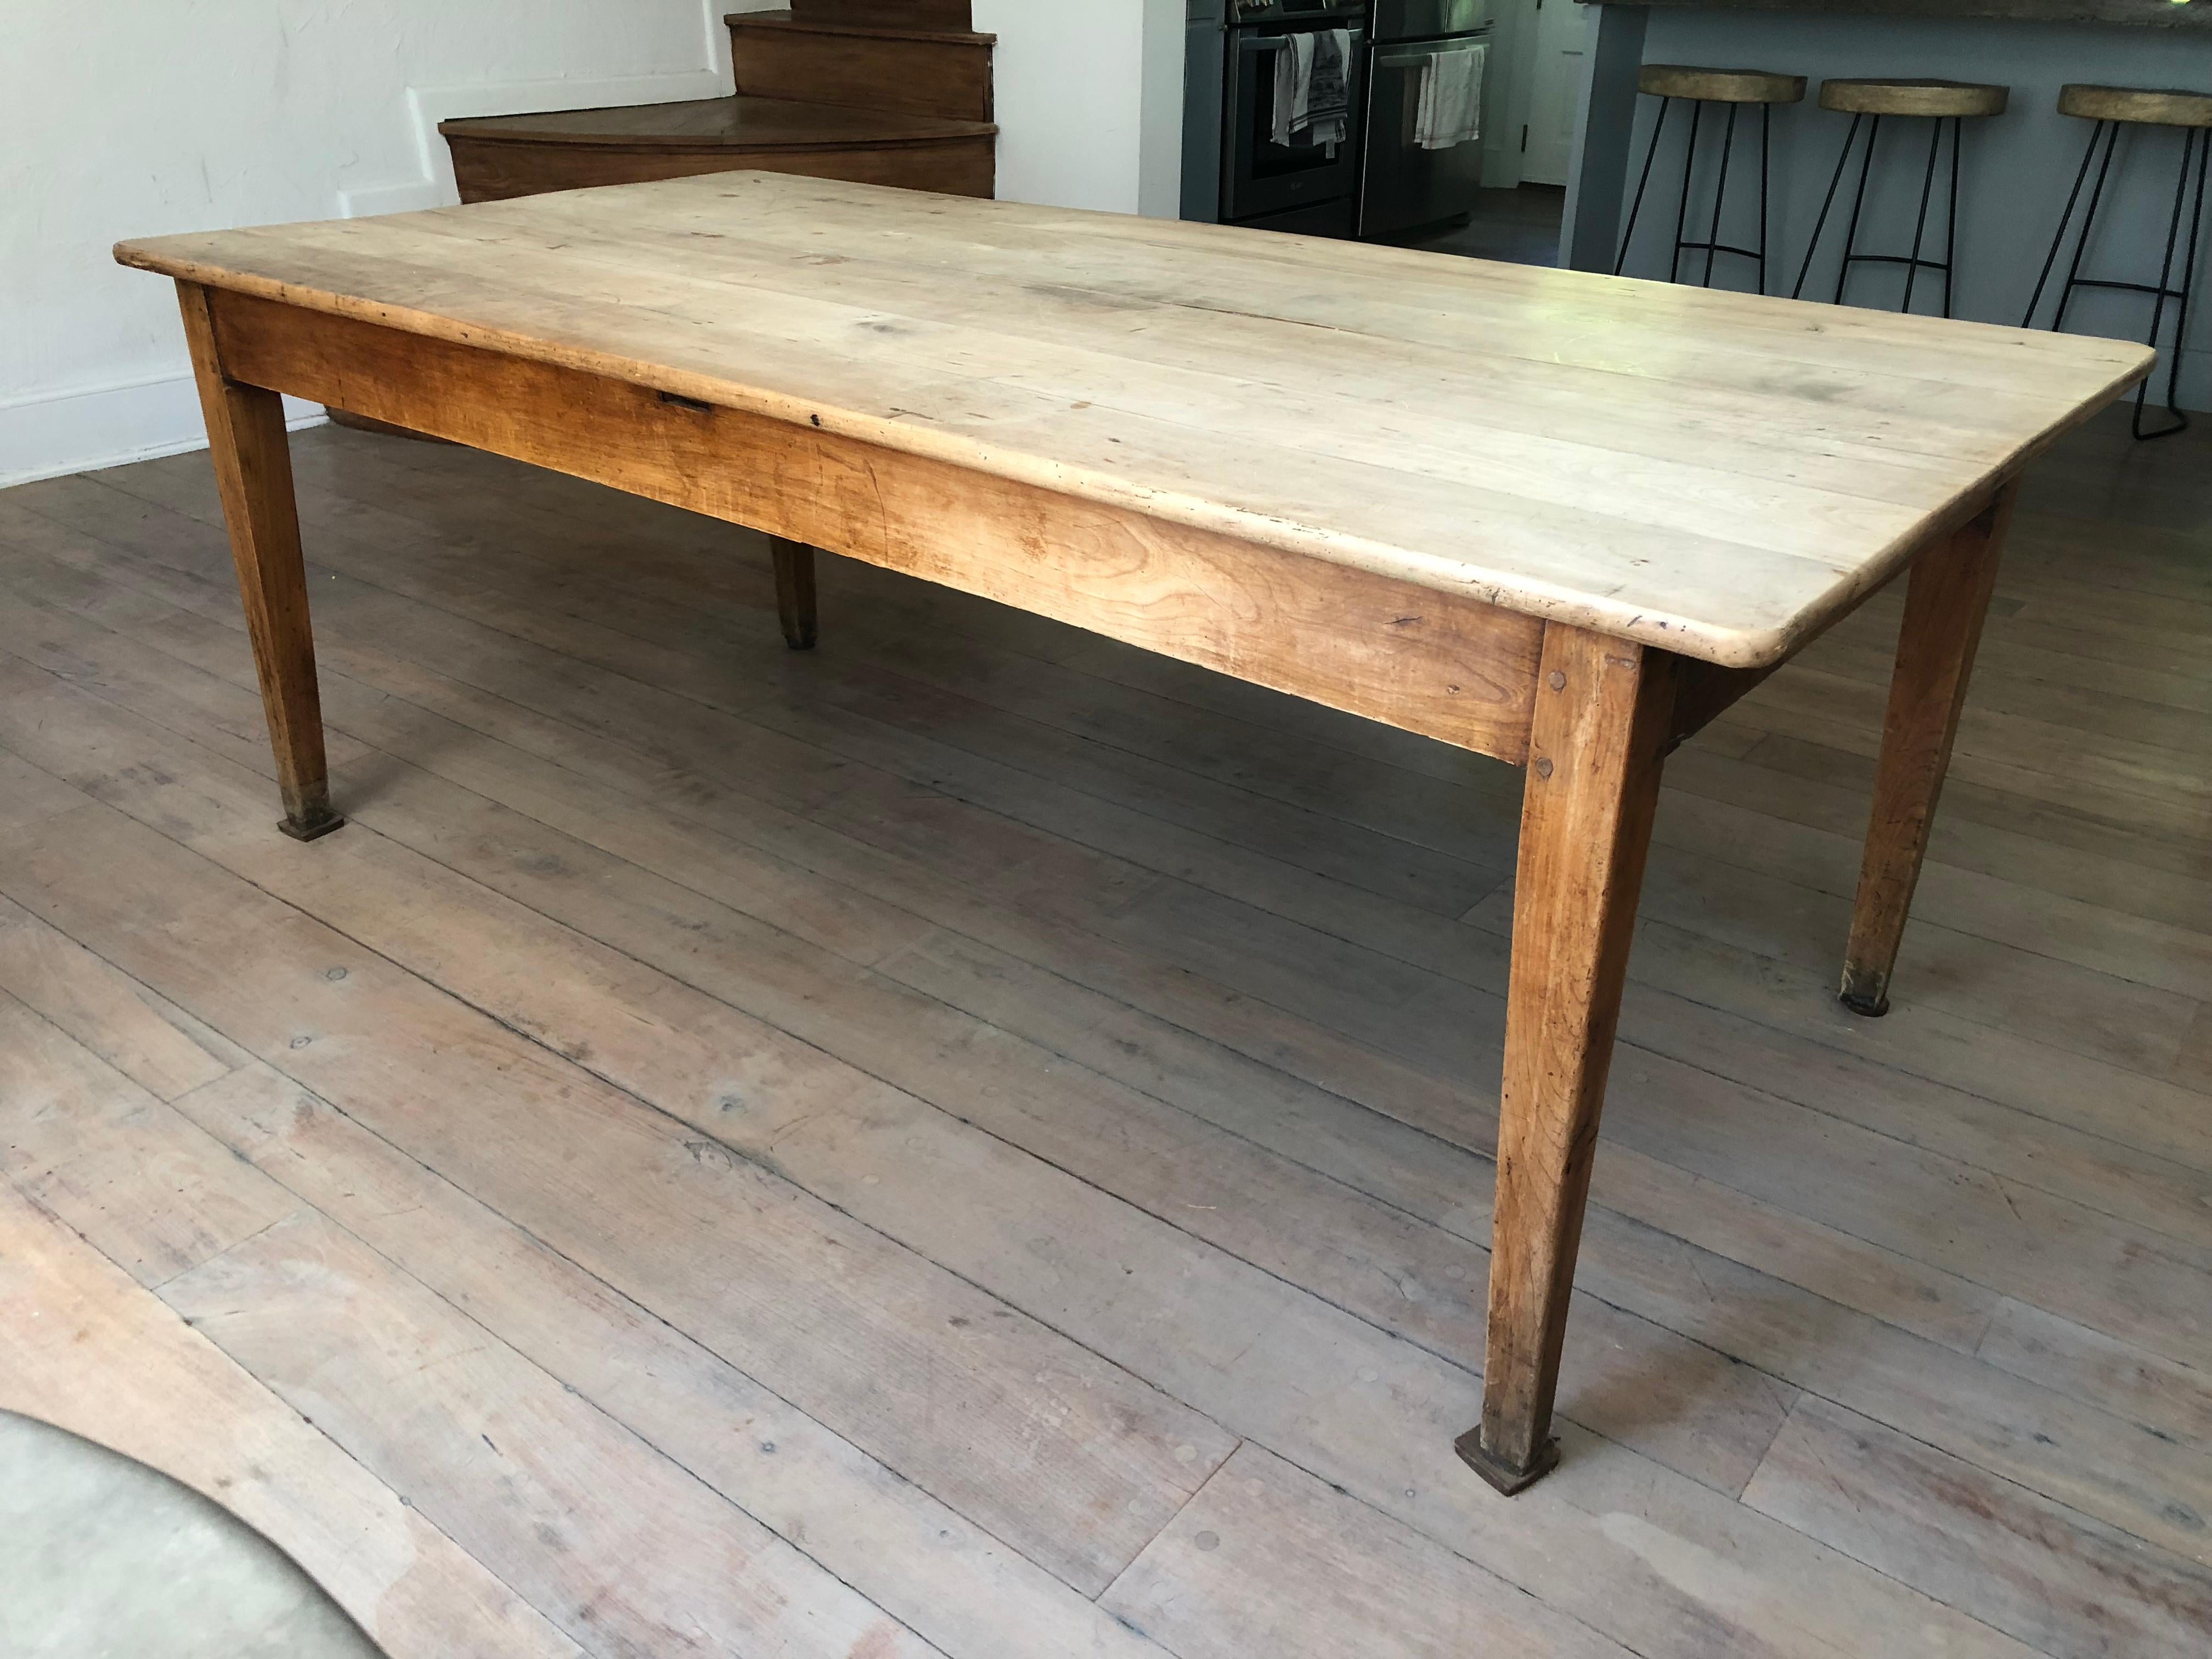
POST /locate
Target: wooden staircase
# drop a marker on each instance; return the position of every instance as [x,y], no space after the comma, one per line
[886,92]
[880,91]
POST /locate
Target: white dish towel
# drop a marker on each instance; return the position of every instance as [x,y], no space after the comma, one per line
[1450,110]
[1313,75]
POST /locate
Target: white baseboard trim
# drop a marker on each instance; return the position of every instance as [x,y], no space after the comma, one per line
[46,434]
[55,433]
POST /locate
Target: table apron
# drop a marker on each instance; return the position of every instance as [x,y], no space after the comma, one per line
[1442,665]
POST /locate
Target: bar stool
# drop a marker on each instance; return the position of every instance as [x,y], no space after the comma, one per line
[2113,108]
[1700,87]
[1869,103]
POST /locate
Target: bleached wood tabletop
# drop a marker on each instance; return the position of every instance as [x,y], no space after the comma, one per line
[1714,473]
[1560,519]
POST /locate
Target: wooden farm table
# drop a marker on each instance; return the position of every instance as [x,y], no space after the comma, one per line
[1557,518]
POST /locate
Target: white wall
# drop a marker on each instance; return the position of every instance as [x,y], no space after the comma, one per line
[134,118]
[137,117]
[1090,101]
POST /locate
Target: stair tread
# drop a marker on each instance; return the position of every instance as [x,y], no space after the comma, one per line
[784,20]
[744,121]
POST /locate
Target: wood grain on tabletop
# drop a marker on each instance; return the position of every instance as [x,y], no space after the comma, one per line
[1717,474]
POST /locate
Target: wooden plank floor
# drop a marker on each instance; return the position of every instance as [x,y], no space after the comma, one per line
[975,1142]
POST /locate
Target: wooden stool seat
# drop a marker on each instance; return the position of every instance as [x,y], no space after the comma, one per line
[2137,104]
[1719,86]
[1939,100]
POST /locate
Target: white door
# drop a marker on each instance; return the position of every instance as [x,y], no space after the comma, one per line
[1563,33]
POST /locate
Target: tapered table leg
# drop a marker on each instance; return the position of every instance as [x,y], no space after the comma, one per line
[794,590]
[253,469]
[1602,719]
[1947,597]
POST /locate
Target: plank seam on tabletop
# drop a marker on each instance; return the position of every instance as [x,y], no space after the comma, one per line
[1749,634]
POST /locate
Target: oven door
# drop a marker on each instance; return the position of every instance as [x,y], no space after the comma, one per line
[1259,175]
[1403,187]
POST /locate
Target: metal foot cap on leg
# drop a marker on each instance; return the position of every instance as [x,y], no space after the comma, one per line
[1864,993]
[312,826]
[1504,1476]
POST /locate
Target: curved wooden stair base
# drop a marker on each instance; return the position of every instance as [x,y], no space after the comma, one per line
[503,157]
[883,92]
[878,92]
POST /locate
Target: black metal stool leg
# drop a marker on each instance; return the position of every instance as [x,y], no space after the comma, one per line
[1682,209]
[1842,164]
[2189,147]
[1915,261]
[1650,154]
[1951,233]
[2188,277]
[1710,244]
[1720,196]
[2057,241]
[1765,131]
[2195,152]
[1858,203]
[2088,224]
[1920,225]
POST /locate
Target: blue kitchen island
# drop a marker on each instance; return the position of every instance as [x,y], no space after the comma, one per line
[2015,169]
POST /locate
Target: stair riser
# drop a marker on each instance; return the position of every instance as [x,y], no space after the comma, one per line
[954,15]
[951,78]
[494,172]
